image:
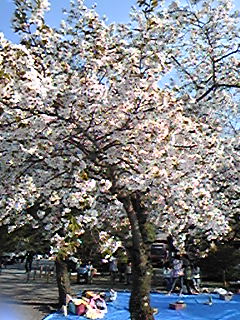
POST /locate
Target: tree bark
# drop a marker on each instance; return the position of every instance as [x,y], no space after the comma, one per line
[63,280]
[224,277]
[139,304]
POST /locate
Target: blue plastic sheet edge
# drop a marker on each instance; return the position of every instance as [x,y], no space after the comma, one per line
[197,308]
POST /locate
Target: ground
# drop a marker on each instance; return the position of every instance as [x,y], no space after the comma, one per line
[33,300]
[37,297]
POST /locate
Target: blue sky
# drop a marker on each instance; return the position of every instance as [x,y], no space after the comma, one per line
[115,10]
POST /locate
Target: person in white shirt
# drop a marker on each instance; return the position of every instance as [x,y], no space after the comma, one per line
[177,274]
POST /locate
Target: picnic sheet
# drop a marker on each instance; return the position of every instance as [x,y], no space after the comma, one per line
[195,309]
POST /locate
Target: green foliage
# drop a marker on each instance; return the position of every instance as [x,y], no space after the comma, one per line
[148,5]
[224,259]
[4,239]
[4,75]
[21,239]
[153,3]
[121,255]
[89,248]
[151,232]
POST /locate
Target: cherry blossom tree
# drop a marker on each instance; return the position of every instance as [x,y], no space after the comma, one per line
[90,138]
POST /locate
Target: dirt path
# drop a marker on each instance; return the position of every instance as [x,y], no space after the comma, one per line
[28,300]
[36,298]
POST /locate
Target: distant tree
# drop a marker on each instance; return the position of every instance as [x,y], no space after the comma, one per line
[222,263]
[23,239]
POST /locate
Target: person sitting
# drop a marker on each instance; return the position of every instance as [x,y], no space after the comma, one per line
[82,272]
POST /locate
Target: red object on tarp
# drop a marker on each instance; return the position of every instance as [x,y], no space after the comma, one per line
[81,309]
[177,306]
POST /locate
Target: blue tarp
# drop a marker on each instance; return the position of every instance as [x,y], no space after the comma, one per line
[195,309]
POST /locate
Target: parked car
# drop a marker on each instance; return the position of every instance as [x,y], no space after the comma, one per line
[158,254]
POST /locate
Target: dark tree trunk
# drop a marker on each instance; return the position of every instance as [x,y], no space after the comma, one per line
[139,304]
[63,280]
[142,235]
[224,277]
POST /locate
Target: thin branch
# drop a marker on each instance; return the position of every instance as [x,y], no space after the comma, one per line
[187,73]
[186,147]
[228,54]
[206,93]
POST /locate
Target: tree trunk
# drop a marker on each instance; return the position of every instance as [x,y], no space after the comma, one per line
[139,304]
[63,280]
[139,250]
[224,277]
